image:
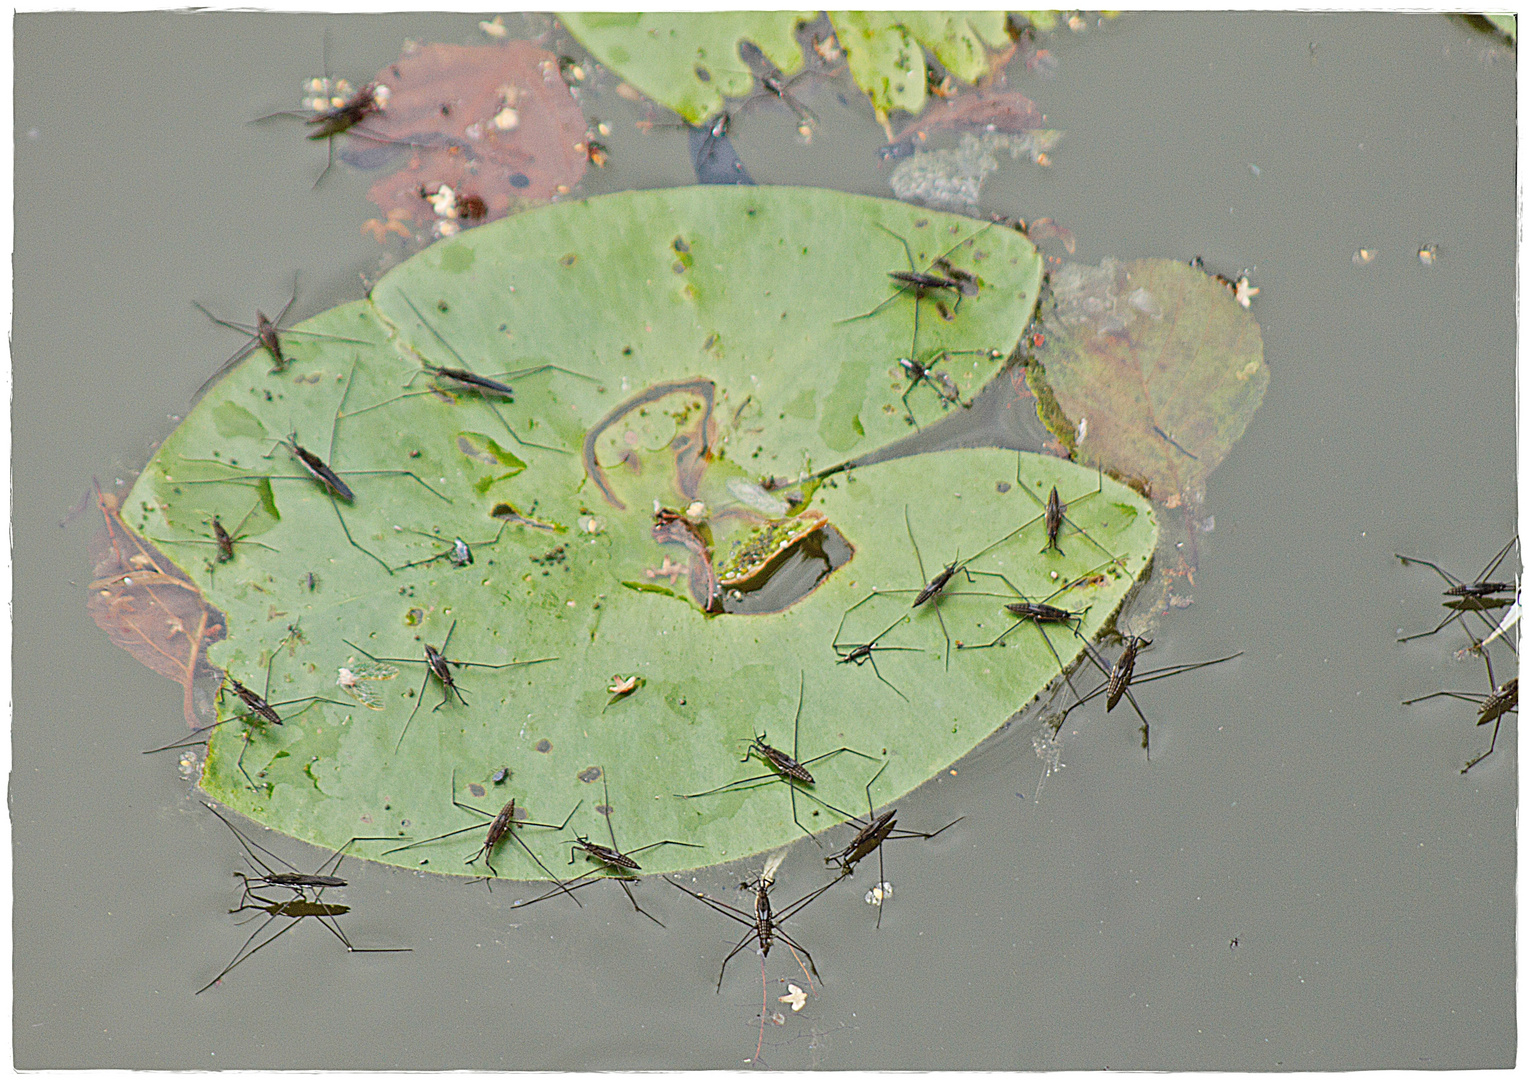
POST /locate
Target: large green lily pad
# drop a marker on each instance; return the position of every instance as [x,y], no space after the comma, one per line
[735,294]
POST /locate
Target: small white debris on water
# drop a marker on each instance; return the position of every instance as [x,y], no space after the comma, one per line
[696,509]
[494,28]
[1428,254]
[876,895]
[1083,429]
[796,998]
[444,202]
[1245,292]
[1364,256]
[188,765]
[507,119]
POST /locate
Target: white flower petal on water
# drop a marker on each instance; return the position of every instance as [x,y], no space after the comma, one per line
[796,998]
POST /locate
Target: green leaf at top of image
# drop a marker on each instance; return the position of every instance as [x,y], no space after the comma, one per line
[1153,368]
[1505,22]
[637,380]
[884,55]
[688,61]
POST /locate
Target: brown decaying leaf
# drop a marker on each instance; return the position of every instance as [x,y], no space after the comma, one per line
[670,527]
[1156,368]
[149,607]
[983,110]
[528,156]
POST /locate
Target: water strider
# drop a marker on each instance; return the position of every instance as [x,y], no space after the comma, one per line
[224,540]
[763,922]
[437,665]
[296,909]
[610,861]
[773,83]
[501,826]
[922,372]
[859,653]
[784,767]
[1121,675]
[307,891]
[265,334]
[1491,707]
[291,878]
[459,552]
[921,283]
[1480,595]
[323,473]
[486,388]
[261,712]
[873,830]
[341,110]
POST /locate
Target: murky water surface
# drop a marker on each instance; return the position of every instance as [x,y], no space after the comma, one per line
[1300,878]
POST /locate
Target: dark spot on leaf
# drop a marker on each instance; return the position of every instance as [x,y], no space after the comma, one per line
[1003,487]
[569,259]
[414,617]
[543,747]
[478,790]
[442,306]
[602,808]
[626,351]
[590,775]
[520,180]
[702,74]
[679,266]
[680,245]
[519,813]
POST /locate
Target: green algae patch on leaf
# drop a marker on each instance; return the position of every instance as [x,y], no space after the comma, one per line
[1156,368]
[688,61]
[639,383]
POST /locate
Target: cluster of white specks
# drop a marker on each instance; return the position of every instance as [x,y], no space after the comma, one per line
[878,892]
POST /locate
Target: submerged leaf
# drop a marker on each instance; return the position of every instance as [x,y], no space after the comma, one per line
[495,123]
[1156,370]
[148,606]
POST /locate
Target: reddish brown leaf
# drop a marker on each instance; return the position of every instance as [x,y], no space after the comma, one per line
[670,527]
[495,123]
[982,110]
[149,607]
[1152,370]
